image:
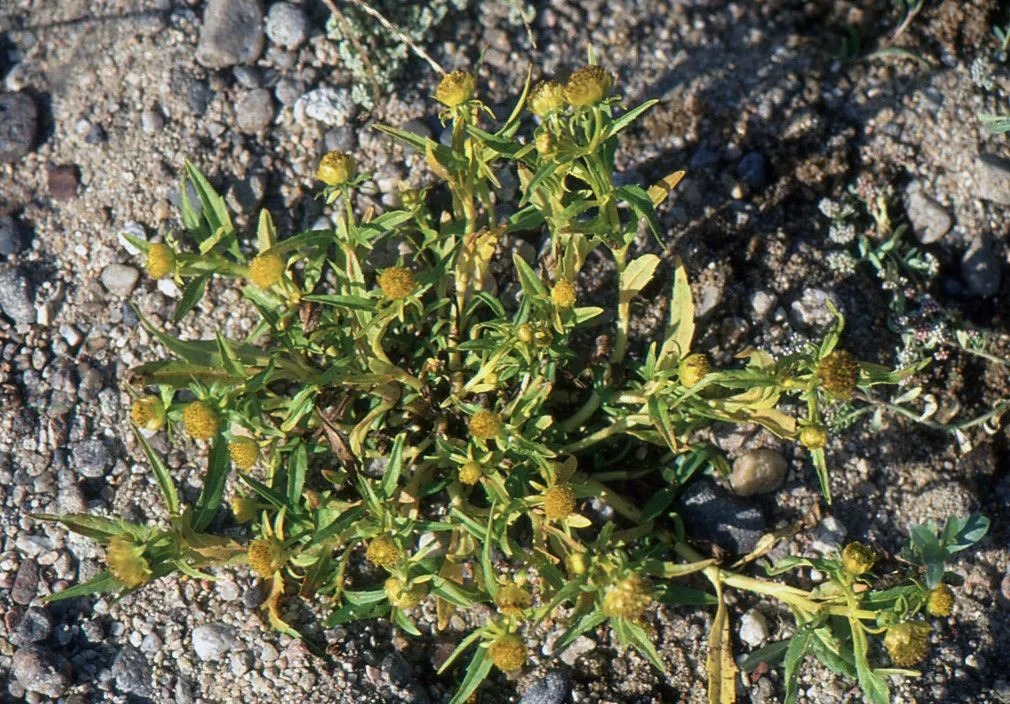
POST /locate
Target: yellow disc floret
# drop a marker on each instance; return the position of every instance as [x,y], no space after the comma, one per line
[838,374]
[485,425]
[525,333]
[507,653]
[857,558]
[470,473]
[547,97]
[266,270]
[563,294]
[244,452]
[148,412]
[396,282]
[588,86]
[693,369]
[265,557]
[382,551]
[814,437]
[455,88]
[512,600]
[126,561]
[160,261]
[200,420]
[940,601]
[907,643]
[559,502]
[336,168]
[628,598]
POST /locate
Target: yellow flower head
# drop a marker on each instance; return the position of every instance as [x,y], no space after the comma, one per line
[628,598]
[382,551]
[455,88]
[244,452]
[160,261]
[403,596]
[907,643]
[547,97]
[588,86]
[200,420]
[838,374]
[336,168]
[396,282]
[126,561]
[485,425]
[559,502]
[512,600]
[244,508]
[814,437]
[507,653]
[470,473]
[266,270]
[265,557]
[148,412]
[576,563]
[857,558]
[940,601]
[563,294]
[693,369]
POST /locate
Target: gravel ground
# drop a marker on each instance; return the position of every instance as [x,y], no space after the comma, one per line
[102,102]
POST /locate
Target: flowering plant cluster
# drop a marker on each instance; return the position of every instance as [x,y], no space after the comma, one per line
[398,431]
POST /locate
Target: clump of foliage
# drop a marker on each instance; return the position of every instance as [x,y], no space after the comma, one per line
[404,433]
[387,55]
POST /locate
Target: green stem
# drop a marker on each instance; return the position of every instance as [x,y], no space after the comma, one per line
[623,309]
[618,426]
[582,415]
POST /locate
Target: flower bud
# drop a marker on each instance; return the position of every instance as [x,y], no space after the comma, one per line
[396,283]
[628,598]
[940,601]
[563,294]
[507,653]
[126,561]
[588,86]
[693,369]
[525,333]
[200,420]
[265,557]
[336,168]
[148,412]
[455,88]
[814,437]
[382,551]
[470,473]
[244,452]
[547,97]
[160,261]
[907,643]
[485,425]
[839,374]
[403,596]
[512,600]
[857,558]
[266,270]
[243,508]
[559,502]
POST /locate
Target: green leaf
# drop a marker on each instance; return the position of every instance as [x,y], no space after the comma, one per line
[627,118]
[164,478]
[214,209]
[770,654]
[401,620]
[583,624]
[459,650]
[455,593]
[961,533]
[356,612]
[637,276]
[581,315]
[391,477]
[677,595]
[298,467]
[680,329]
[529,280]
[266,233]
[191,295]
[103,583]
[476,672]
[641,204]
[97,528]
[209,501]
[638,638]
[798,646]
[657,503]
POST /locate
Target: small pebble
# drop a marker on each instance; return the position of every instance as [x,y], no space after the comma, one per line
[255,110]
[18,125]
[120,279]
[63,182]
[753,628]
[13,238]
[287,26]
[758,472]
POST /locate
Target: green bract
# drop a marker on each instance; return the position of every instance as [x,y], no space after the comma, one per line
[490,432]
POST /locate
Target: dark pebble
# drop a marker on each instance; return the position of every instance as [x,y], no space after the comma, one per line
[552,689]
[198,97]
[711,512]
[13,238]
[91,458]
[17,294]
[704,159]
[132,672]
[39,670]
[63,182]
[35,626]
[18,125]
[751,169]
[96,135]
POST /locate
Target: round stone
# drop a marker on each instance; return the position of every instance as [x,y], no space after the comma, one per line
[212,641]
[38,670]
[753,628]
[120,279]
[287,26]
[758,472]
[255,110]
[91,458]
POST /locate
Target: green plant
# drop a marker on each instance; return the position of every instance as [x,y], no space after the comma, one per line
[407,414]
